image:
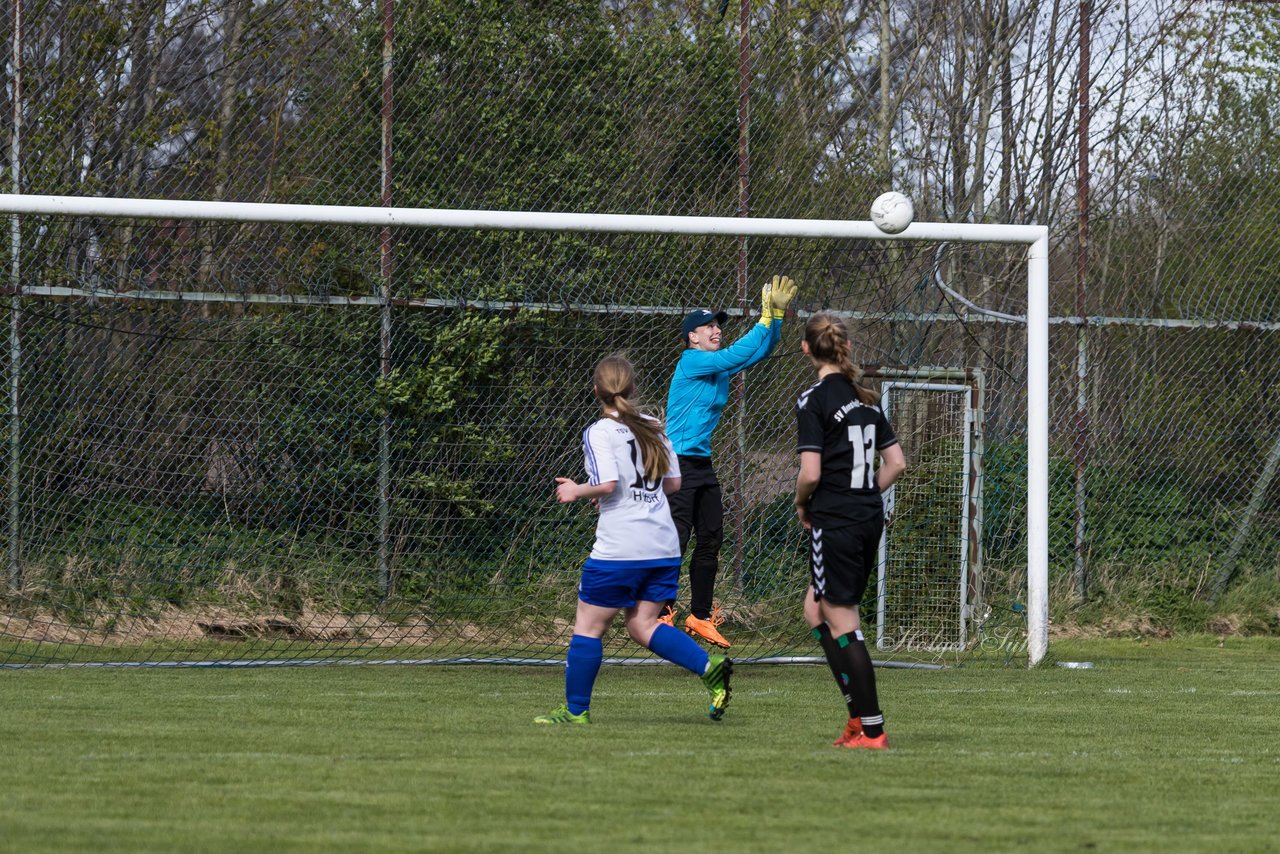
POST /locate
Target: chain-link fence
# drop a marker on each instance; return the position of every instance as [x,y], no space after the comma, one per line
[321,440]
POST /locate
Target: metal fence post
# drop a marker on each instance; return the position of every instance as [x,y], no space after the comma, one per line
[386,249]
[15,308]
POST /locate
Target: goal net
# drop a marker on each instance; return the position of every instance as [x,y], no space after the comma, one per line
[930,552]
[248,434]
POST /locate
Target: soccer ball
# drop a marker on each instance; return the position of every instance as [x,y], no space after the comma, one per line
[892,212]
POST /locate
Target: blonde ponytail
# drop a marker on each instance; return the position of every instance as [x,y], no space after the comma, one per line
[615,385]
[828,340]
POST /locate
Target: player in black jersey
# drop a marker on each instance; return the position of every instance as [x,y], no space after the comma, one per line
[841,428]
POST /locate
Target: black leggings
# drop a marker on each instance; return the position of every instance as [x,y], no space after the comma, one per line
[698,509]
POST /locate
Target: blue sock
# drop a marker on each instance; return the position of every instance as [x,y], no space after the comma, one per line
[580,669]
[678,648]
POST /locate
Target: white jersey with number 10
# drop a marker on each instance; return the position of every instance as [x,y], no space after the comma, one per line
[635,521]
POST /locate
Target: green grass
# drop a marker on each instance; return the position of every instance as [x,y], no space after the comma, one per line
[1163,745]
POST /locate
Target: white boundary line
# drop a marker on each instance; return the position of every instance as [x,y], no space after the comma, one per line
[462,660]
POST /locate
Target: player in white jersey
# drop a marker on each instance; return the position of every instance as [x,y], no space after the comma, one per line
[635,528]
[634,565]
[841,428]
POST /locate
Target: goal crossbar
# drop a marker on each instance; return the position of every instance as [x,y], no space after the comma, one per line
[1035,237]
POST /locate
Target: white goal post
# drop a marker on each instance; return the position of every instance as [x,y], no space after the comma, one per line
[1035,237]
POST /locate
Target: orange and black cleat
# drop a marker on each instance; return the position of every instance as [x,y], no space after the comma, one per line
[707,629]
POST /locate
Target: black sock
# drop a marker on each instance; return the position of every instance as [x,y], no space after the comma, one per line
[834,660]
[862,679]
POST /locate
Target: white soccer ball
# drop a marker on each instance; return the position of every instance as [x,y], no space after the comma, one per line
[892,212]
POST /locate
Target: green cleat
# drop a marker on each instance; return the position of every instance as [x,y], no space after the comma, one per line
[562,715]
[719,669]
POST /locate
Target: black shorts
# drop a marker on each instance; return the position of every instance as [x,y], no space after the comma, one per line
[842,559]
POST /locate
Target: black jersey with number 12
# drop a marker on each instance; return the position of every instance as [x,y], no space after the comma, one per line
[848,433]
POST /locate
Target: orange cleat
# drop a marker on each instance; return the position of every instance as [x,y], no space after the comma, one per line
[668,617]
[851,730]
[880,742]
[707,629]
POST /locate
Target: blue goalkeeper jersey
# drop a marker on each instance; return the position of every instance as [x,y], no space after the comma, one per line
[700,387]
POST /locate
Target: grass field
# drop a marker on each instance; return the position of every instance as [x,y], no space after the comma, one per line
[1168,745]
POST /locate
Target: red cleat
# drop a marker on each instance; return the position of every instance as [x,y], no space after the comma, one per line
[851,729]
[880,742]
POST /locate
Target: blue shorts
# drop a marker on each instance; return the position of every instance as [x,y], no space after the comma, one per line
[620,584]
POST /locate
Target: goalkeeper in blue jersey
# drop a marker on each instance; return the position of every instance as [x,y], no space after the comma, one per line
[635,563]
[698,393]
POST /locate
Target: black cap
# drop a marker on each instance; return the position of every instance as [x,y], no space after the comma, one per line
[701,317]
